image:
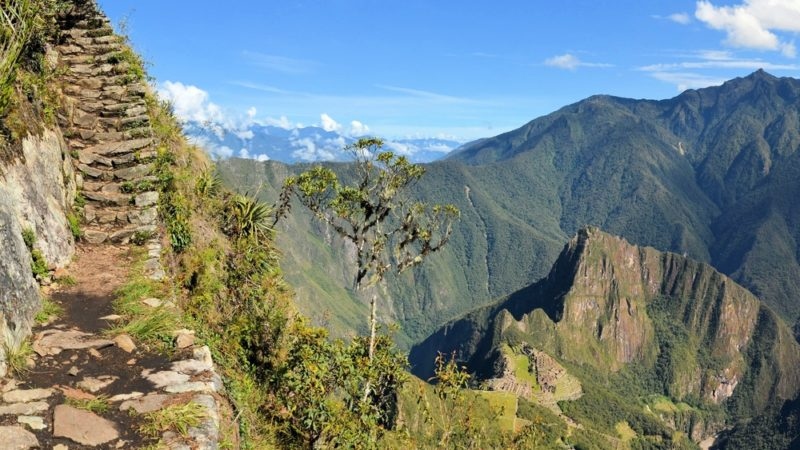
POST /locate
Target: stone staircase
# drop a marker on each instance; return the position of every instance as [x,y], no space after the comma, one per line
[107,127]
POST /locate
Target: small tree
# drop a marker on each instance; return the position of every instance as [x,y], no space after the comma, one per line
[389,232]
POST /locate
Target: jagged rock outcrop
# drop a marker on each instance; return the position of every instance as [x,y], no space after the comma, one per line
[607,304]
[106,122]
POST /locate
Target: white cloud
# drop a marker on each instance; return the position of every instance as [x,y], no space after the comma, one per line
[687,80]
[684,74]
[251,112]
[262,157]
[224,151]
[402,148]
[565,61]
[569,61]
[754,23]
[328,124]
[307,150]
[681,18]
[214,150]
[281,122]
[190,102]
[749,64]
[243,153]
[442,148]
[244,134]
[358,129]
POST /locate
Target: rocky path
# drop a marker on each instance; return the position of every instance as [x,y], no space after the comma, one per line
[107,127]
[89,389]
[86,387]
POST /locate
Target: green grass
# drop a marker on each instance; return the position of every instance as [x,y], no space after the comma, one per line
[98,405]
[504,405]
[17,358]
[50,309]
[74,226]
[145,324]
[177,418]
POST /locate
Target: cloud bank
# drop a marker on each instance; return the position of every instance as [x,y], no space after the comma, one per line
[754,24]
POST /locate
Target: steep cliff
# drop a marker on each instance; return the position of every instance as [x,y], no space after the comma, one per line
[613,310]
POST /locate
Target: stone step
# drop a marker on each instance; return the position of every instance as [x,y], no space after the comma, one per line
[93,172]
[110,233]
[106,39]
[138,133]
[133,172]
[69,49]
[108,198]
[98,32]
[126,214]
[109,136]
[100,49]
[94,160]
[91,23]
[119,148]
[134,121]
[77,58]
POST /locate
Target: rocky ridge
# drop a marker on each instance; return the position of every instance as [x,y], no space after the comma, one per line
[608,305]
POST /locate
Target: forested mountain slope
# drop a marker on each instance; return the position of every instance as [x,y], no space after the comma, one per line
[711,173]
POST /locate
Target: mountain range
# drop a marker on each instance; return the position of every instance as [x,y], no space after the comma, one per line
[711,173]
[300,144]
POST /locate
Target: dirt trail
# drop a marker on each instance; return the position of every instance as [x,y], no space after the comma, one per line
[76,358]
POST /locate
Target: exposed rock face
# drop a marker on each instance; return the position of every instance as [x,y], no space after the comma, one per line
[36,192]
[607,303]
[40,188]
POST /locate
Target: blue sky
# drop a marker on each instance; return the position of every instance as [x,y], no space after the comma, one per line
[463,69]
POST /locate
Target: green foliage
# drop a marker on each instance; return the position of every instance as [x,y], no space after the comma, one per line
[449,415]
[27,94]
[17,357]
[208,183]
[245,216]
[49,310]
[97,405]
[74,226]
[372,213]
[141,237]
[135,66]
[178,418]
[29,237]
[80,201]
[174,207]
[151,326]
[38,264]
[130,187]
[16,29]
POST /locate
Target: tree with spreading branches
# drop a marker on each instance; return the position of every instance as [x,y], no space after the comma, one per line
[390,231]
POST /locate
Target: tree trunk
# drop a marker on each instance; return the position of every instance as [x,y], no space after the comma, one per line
[372,327]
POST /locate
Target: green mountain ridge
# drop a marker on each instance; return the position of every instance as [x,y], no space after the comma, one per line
[710,173]
[612,312]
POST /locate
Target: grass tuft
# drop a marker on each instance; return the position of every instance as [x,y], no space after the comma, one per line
[177,418]
[96,405]
[49,310]
[17,357]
